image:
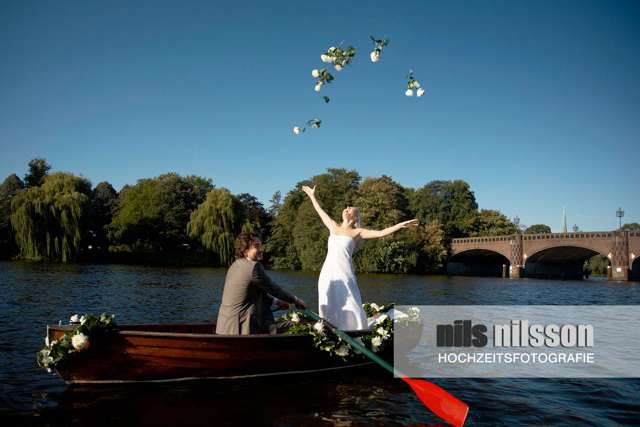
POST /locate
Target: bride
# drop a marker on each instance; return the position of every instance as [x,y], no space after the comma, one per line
[338,294]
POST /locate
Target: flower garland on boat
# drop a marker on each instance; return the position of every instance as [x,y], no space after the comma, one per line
[377,340]
[87,327]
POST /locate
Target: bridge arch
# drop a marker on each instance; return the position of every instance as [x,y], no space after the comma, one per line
[558,261]
[634,274]
[478,262]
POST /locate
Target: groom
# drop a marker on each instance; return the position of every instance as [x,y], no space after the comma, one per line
[249,293]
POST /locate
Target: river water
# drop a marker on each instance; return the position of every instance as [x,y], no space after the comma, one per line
[32,295]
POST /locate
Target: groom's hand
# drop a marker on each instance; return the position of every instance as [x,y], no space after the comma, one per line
[282,305]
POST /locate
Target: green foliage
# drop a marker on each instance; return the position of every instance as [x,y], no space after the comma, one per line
[60,352]
[48,221]
[538,229]
[255,219]
[153,214]
[452,203]
[8,189]
[216,222]
[493,223]
[104,204]
[634,226]
[597,265]
[38,170]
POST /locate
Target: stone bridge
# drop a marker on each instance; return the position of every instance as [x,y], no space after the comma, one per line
[546,255]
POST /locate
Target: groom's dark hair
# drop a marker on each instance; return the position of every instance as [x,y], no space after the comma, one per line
[244,241]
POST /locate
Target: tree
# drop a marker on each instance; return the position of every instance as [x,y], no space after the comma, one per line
[38,169]
[8,189]
[216,222]
[254,217]
[153,214]
[493,223]
[452,203]
[634,226]
[275,204]
[49,220]
[104,204]
[383,203]
[432,249]
[538,229]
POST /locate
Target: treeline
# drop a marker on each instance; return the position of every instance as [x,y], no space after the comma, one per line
[188,220]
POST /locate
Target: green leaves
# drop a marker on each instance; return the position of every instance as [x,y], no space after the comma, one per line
[91,327]
[49,220]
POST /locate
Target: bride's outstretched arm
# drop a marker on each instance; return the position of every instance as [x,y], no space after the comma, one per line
[326,219]
[376,234]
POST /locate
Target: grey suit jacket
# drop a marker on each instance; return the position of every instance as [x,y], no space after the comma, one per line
[246,300]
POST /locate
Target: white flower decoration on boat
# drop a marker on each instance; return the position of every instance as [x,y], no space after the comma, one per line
[83,320]
[80,342]
[342,351]
[381,319]
[295,318]
[374,306]
[384,334]
[46,341]
[74,319]
[318,327]
[376,342]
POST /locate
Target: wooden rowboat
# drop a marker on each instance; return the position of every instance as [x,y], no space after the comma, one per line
[180,352]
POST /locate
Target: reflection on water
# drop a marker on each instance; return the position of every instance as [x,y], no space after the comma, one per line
[32,295]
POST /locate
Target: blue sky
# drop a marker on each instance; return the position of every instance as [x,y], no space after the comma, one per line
[535,104]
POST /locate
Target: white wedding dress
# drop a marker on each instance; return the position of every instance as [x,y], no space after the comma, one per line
[338,294]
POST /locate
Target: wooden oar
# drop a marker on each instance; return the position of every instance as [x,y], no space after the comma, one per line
[439,401]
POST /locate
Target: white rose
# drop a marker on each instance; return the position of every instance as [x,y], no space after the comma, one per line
[318,87]
[295,318]
[315,73]
[381,319]
[74,319]
[80,341]
[374,306]
[338,67]
[376,342]
[318,326]
[46,340]
[297,130]
[83,320]
[420,92]
[375,56]
[409,92]
[342,351]
[324,58]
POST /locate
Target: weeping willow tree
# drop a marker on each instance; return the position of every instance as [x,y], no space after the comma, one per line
[48,220]
[215,223]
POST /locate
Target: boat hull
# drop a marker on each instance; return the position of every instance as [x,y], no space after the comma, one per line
[163,353]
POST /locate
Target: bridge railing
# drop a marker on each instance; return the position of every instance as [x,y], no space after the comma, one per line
[543,236]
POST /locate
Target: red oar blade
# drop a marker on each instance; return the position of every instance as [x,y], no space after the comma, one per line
[440,402]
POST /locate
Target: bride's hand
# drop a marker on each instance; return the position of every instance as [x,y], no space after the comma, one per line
[310,191]
[410,223]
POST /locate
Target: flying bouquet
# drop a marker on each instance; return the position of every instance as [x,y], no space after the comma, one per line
[313,123]
[323,77]
[340,58]
[379,44]
[413,84]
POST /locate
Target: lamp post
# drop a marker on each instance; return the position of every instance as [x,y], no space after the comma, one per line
[620,214]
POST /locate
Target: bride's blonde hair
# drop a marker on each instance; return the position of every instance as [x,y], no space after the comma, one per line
[355,223]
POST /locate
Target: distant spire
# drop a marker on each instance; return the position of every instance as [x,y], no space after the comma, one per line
[564,220]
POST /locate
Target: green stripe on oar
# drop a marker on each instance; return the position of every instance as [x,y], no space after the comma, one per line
[438,400]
